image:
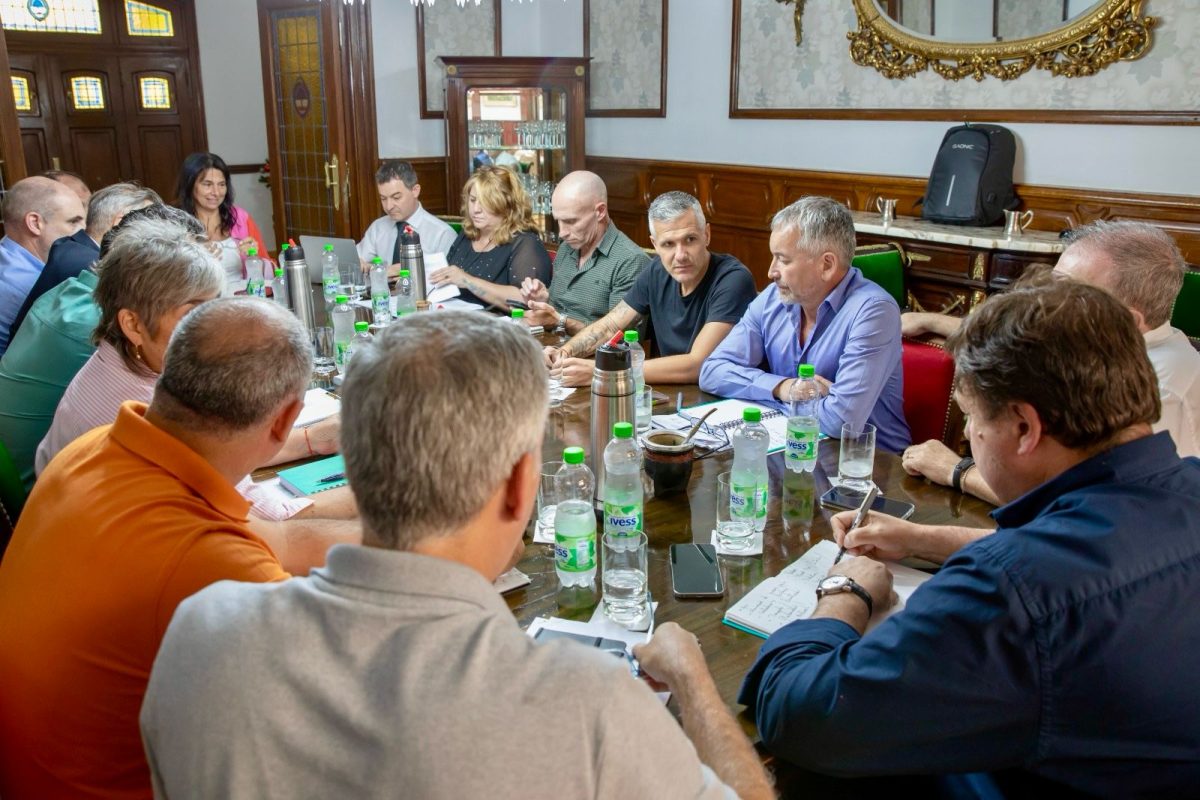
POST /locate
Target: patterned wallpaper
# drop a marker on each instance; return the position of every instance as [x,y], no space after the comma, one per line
[775,73]
[626,39]
[454,31]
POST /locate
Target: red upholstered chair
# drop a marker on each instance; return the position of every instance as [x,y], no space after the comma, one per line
[929,403]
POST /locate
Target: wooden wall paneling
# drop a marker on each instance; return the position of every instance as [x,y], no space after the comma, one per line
[12,144]
[431,175]
[1055,208]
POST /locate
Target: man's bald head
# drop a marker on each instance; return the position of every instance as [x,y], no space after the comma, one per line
[580,207]
[72,181]
[39,211]
[232,364]
[584,186]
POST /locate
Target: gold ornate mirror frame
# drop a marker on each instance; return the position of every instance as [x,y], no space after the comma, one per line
[1113,31]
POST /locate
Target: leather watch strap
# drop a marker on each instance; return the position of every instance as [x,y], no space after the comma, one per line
[960,469]
[853,586]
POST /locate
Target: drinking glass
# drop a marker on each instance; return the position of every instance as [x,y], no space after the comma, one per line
[644,406]
[547,499]
[623,578]
[856,457]
[324,362]
[734,532]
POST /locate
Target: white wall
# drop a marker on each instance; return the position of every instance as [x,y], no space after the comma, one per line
[697,127]
[231,71]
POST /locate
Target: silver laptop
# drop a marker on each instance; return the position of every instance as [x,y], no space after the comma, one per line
[346,250]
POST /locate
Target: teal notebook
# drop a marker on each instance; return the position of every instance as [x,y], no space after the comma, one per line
[307,478]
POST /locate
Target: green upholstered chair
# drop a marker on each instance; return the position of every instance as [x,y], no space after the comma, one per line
[12,496]
[884,264]
[455,222]
[1186,315]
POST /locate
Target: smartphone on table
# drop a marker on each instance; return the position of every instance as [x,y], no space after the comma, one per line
[839,498]
[695,571]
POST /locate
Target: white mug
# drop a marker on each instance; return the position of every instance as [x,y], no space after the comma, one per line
[887,208]
[1015,222]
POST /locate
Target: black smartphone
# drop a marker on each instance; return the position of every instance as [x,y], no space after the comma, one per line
[516,304]
[839,498]
[695,572]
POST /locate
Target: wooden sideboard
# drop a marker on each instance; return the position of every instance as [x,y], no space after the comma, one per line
[954,267]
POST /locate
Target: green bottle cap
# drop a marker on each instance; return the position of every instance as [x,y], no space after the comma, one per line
[253,251]
[341,298]
[285,247]
[376,260]
[518,313]
[359,327]
[806,371]
[752,414]
[279,272]
[631,336]
[622,430]
[328,248]
[573,455]
[405,273]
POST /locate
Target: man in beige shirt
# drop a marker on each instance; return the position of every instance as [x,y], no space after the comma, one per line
[396,670]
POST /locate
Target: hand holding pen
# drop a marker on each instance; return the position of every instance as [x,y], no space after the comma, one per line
[859,516]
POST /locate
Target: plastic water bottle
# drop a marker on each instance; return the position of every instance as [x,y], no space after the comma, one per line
[517,315]
[279,289]
[637,372]
[803,429]
[575,521]
[380,296]
[362,335]
[254,274]
[329,276]
[623,482]
[406,301]
[343,328]
[748,481]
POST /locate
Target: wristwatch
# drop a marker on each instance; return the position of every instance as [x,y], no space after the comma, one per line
[562,320]
[838,584]
[960,469]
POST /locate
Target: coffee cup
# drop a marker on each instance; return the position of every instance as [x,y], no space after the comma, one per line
[668,460]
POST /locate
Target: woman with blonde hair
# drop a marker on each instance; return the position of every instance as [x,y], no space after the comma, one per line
[498,248]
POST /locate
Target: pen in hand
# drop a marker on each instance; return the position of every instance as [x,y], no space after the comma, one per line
[868,498]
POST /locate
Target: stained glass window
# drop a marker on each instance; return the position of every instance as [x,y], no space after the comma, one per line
[51,16]
[155,93]
[21,95]
[87,93]
[144,19]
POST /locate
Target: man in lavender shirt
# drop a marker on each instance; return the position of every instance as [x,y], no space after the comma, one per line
[821,311]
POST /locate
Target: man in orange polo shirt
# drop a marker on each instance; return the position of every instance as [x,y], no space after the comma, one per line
[124,524]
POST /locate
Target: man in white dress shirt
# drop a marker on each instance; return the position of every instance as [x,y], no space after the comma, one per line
[399,195]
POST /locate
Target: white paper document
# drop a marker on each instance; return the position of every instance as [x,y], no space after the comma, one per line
[318,405]
[440,294]
[792,594]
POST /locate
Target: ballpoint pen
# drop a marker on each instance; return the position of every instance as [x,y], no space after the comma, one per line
[337,476]
[868,498]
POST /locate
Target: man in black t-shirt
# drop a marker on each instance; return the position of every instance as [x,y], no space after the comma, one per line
[693,298]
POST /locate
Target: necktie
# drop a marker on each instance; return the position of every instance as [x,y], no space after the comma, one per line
[396,248]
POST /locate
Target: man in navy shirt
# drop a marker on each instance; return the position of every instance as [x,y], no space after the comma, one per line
[692,296]
[1056,655]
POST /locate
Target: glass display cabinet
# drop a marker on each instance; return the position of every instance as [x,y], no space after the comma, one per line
[523,113]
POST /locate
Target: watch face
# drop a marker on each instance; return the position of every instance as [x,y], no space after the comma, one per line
[834,583]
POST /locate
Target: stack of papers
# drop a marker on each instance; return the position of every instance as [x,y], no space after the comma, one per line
[318,405]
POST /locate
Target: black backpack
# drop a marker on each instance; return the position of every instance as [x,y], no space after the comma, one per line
[971,182]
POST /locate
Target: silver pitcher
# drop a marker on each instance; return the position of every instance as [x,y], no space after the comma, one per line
[412,259]
[887,210]
[612,402]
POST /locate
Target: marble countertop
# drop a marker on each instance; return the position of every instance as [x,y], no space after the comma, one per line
[985,238]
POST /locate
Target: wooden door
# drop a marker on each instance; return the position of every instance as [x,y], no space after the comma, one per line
[164,126]
[90,112]
[306,132]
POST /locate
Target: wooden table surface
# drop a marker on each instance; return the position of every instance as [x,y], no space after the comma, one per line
[690,517]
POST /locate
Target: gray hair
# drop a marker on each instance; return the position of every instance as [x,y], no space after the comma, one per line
[1146,268]
[393,169]
[114,201]
[232,363]
[152,265]
[436,410]
[823,223]
[34,194]
[673,205]
[153,211]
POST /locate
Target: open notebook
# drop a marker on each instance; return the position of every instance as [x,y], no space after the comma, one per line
[725,418]
[792,594]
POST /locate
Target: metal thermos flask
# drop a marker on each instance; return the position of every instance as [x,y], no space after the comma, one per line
[295,271]
[612,402]
[412,260]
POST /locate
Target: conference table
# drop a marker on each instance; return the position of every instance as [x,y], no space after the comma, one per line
[690,517]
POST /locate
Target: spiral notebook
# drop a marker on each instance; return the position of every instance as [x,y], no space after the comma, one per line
[314,477]
[728,415]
